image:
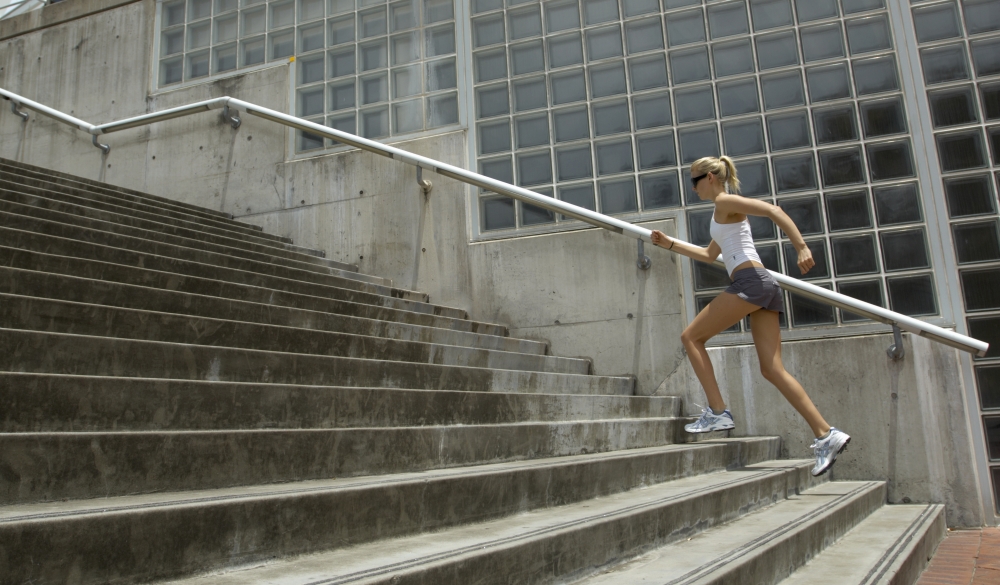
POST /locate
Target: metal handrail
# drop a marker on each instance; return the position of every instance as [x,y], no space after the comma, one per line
[230,105]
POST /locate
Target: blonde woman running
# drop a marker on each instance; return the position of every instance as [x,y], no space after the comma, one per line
[753,292]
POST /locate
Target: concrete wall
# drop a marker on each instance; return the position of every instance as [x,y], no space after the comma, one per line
[579,290]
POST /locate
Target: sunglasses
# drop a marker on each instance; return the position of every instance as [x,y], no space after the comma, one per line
[694,180]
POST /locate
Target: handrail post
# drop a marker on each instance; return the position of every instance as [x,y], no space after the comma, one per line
[643,261]
[234,121]
[13,108]
[104,147]
[896,351]
[425,184]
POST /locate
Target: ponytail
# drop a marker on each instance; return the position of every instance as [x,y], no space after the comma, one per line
[721,167]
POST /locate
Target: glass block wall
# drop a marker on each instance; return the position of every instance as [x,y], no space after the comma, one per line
[366,67]
[604,103]
[959,44]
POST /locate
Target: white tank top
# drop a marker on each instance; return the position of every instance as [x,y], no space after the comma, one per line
[736,242]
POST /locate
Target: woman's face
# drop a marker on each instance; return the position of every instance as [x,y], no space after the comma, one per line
[701,183]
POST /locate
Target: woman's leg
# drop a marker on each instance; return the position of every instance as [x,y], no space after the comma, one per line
[767,338]
[718,316]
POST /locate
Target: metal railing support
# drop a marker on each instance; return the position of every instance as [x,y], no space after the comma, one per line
[234,120]
[425,184]
[896,351]
[105,148]
[13,108]
[643,262]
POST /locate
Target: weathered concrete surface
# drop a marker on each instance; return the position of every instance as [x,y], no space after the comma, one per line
[907,418]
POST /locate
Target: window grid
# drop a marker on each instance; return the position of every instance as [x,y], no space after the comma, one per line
[959,43]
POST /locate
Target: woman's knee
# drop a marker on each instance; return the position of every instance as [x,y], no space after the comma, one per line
[689,337]
[772,372]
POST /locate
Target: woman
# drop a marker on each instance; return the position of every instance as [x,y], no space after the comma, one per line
[753,292]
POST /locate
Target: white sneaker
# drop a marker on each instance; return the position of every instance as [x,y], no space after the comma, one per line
[827,449]
[709,421]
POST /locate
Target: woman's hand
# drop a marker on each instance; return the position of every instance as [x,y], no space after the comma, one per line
[660,239]
[805,259]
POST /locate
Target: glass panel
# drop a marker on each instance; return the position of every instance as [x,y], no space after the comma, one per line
[852,6]
[373,55]
[341,30]
[442,110]
[494,137]
[934,23]
[525,23]
[981,16]
[530,94]
[574,163]
[708,276]
[374,89]
[173,13]
[199,9]
[694,104]
[754,178]
[986,56]
[869,291]
[375,123]
[912,295]
[644,35]
[607,80]
[854,255]
[534,168]
[405,48]
[822,42]
[532,131]
[761,228]
[698,142]
[610,118]
[976,242]
[726,20]
[441,75]
[668,4]
[988,381]
[961,150]
[988,330]
[904,250]
[809,10]
[690,65]
[311,38]
[336,6]
[199,35]
[777,50]
[227,29]
[738,97]
[282,45]
[770,14]
[603,43]
[486,5]
[994,138]
[308,140]
[598,11]
[865,35]
[699,223]
[492,101]
[568,87]
[743,137]
[282,14]
[969,195]
[883,117]
[440,40]
[403,15]
[889,161]
[533,215]
[405,81]
[794,172]
[685,27]
[225,58]
[407,117]
[818,249]
[943,64]
[498,214]
[656,150]
[488,30]
[805,212]
[614,157]
[254,21]
[227,5]
[579,195]
[828,83]
[527,58]
[648,72]
[438,10]
[172,42]
[769,257]
[565,50]
[841,167]
[660,190]
[500,169]
[618,196]
[991,425]
[342,95]
[571,124]
[981,289]
[788,131]
[561,16]
[252,52]
[835,124]
[848,211]
[172,70]
[310,69]
[342,62]
[637,7]
[732,58]
[875,75]
[782,90]
[651,111]
[490,65]
[897,204]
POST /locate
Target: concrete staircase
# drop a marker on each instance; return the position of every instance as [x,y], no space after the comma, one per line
[184,397]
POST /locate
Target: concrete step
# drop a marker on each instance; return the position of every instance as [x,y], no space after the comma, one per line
[32,218]
[57,316]
[82,355]
[80,207]
[29,283]
[544,545]
[123,539]
[891,547]
[57,466]
[35,270]
[56,403]
[760,548]
[24,169]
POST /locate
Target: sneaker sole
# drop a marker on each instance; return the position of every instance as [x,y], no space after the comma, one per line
[839,451]
[710,430]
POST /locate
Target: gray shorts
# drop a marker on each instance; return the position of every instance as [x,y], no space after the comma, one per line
[756,285]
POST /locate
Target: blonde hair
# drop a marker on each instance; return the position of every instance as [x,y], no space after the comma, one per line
[721,167]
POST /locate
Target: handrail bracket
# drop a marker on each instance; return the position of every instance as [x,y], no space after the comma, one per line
[104,147]
[13,108]
[425,184]
[896,351]
[234,120]
[643,261]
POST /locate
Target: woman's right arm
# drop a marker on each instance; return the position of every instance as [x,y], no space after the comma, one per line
[707,255]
